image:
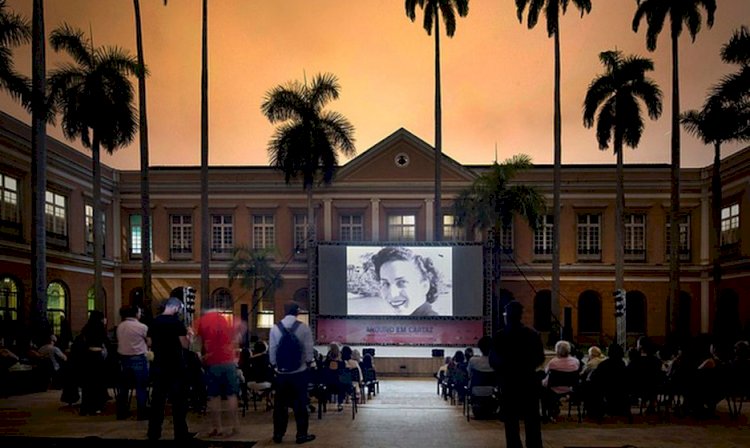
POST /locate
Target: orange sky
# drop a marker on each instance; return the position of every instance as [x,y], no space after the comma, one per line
[497,74]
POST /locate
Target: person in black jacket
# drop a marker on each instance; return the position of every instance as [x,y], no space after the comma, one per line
[518,352]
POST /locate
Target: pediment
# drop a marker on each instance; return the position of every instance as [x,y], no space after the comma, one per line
[401,157]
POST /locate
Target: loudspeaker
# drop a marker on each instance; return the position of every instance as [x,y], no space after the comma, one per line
[438,352]
[368,351]
[567,330]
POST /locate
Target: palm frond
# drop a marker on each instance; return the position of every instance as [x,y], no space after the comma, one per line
[73,41]
[15,29]
[324,88]
[737,49]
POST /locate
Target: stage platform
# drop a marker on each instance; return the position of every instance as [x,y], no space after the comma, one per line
[405,361]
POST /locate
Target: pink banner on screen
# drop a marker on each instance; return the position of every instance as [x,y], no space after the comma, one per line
[383,331]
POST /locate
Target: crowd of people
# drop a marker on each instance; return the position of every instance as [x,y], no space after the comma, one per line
[687,379]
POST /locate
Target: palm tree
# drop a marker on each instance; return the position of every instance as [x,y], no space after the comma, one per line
[680,12]
[255,273]
[39,116]
[612,101]
[308,139]
[551,10]
[491,202]
[205,255]
[724,117]
[15,30]
[433,9]
[143,135]
[95,98]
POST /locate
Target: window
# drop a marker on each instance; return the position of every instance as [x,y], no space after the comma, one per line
[263,232]
[730,224]
[222,235]
[506,238]
[221,300]
[589,312]
[90,300]
[300,231]
[181,241]
[351,228]
[684,247]
[89,228]
[135,236]
[8,299]
[589,236]
[10,221]
[57,301]
[543,237]
[56,220]
[451,230]
[402,227]
[265,319]
[635,237]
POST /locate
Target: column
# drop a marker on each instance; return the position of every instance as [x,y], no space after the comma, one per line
[375,219]
[704,301]
[429,214]
[705,227]
[327,219]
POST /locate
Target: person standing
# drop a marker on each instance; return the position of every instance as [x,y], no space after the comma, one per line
[92,358]
[218,341]
[518,352]
[290,353]
[132,345]
[168,340]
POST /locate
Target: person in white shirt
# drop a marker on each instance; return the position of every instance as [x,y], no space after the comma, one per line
[132,345]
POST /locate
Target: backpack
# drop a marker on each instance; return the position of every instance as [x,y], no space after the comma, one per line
[289,351]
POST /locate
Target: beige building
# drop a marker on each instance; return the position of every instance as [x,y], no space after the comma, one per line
[384,194]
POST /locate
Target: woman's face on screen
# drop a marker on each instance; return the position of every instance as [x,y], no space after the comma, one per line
[402,285]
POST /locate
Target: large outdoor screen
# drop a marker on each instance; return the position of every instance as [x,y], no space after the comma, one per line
[400,280]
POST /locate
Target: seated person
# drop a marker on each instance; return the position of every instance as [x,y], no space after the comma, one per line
[562,362]
[608,393]
[55,356]
[595,358]
[482,381]
[331,370]
[645,371]
[458,375]
[258,373]
[350,363]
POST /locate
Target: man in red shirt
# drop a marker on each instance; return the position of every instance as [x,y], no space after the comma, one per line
[219,340]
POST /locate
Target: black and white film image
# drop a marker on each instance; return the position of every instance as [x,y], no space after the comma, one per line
[399,281]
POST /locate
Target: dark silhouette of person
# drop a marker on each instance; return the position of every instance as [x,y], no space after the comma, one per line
[518,352]
[168,339]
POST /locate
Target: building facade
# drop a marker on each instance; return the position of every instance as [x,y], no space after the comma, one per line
[384,194]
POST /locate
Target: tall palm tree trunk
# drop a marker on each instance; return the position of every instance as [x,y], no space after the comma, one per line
[716,216]
[38,169]
[438,133]
[620,237]
[310,237]
[97,193]
[674,211]
[556,184]
[205,255]
[145,196]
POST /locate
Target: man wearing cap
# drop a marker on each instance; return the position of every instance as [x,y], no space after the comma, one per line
[291,384]
[518,354]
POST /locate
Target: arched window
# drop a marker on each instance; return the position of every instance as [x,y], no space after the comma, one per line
[589,312]
[57,304]
[91,299]
[8,299]
[221,300]
[635,312]
[543,310]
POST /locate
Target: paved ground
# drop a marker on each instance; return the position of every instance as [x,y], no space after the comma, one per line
[407,413]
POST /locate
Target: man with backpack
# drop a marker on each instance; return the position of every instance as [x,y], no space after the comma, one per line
[291,351]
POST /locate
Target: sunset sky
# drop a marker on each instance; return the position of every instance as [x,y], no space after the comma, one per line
[497,75]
